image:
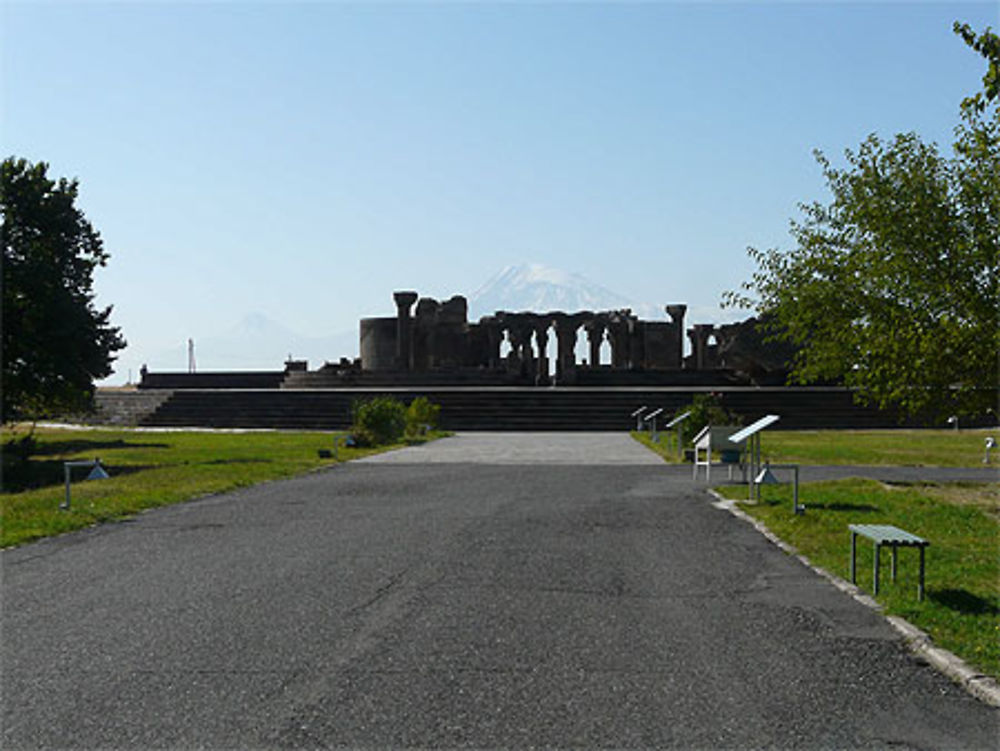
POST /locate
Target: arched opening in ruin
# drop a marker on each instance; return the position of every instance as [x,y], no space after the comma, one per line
[604,351]
[505,346]
[551,351]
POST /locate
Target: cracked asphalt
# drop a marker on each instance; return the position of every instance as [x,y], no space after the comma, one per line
[503,595]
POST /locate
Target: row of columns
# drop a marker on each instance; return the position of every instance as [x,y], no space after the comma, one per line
[619,328]
[521,328]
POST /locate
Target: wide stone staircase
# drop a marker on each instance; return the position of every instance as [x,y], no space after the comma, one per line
[509,408]
[126,406]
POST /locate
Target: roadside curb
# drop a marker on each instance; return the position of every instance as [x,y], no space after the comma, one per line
[983,687]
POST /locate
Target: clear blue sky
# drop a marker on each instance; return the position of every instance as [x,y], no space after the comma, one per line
[303,160]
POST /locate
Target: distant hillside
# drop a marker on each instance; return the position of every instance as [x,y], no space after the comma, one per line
[257,342]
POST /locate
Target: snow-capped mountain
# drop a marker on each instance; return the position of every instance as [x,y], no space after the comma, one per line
[542,289]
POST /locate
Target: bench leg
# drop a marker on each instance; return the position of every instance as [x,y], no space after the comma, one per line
[875,571]
[920,581]
[854,557]
[895,549]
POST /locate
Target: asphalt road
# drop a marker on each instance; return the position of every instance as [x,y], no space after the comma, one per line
[417,601]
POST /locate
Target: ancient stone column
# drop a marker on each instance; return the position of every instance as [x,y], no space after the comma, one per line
[699,335]
[513,359]
[618,336]
[527,354]
[676,313]
[519,332]
[404,331]
[542,343]
[566,345]
[636,344]
[494,335]
[595,333]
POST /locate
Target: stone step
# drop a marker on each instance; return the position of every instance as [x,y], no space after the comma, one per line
[126,407]
[508,409]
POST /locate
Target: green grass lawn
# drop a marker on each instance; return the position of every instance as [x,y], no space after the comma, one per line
[961,610]
[147,469]
[927,448]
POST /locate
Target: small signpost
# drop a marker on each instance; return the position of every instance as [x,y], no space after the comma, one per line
[751,434]
[349,442]
[97,472]
[676,423]
[767,477]
[638,416]
[651,419]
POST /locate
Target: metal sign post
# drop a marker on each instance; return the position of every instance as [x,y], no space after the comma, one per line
[651,419]
[766,477]
[751,434]
[97,472]
[638,416]
[676,422]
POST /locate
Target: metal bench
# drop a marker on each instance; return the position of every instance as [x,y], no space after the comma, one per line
[894,537]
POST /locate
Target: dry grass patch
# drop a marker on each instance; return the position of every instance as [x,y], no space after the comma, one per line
[984,497]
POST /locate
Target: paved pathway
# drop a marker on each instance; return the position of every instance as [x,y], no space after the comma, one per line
[610,449]
[391,604]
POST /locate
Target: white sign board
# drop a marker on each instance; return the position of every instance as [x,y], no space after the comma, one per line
[750,430]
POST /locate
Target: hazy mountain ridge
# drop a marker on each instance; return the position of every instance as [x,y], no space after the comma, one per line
[256,342]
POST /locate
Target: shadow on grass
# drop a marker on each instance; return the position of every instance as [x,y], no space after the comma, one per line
[79,445]
[964,602]
[19,477]
[237,461]
[861,508]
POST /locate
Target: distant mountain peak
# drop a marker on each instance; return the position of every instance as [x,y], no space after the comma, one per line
[256,321]
[539,288]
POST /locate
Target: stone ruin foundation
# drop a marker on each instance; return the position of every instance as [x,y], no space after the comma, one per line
[428,338]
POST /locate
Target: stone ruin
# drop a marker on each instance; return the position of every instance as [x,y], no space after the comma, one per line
[437,338]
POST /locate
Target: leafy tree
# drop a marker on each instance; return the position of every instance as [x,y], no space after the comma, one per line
[986,44]
[705,409]
[421,415]
[378,421]
[892,288]
[55,343]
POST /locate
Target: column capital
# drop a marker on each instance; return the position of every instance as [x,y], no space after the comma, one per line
[404,301]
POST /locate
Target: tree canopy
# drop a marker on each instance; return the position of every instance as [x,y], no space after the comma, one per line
[892,288]
[55,342]
[986,44]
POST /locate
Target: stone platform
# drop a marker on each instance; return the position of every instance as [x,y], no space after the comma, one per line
[509,408]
